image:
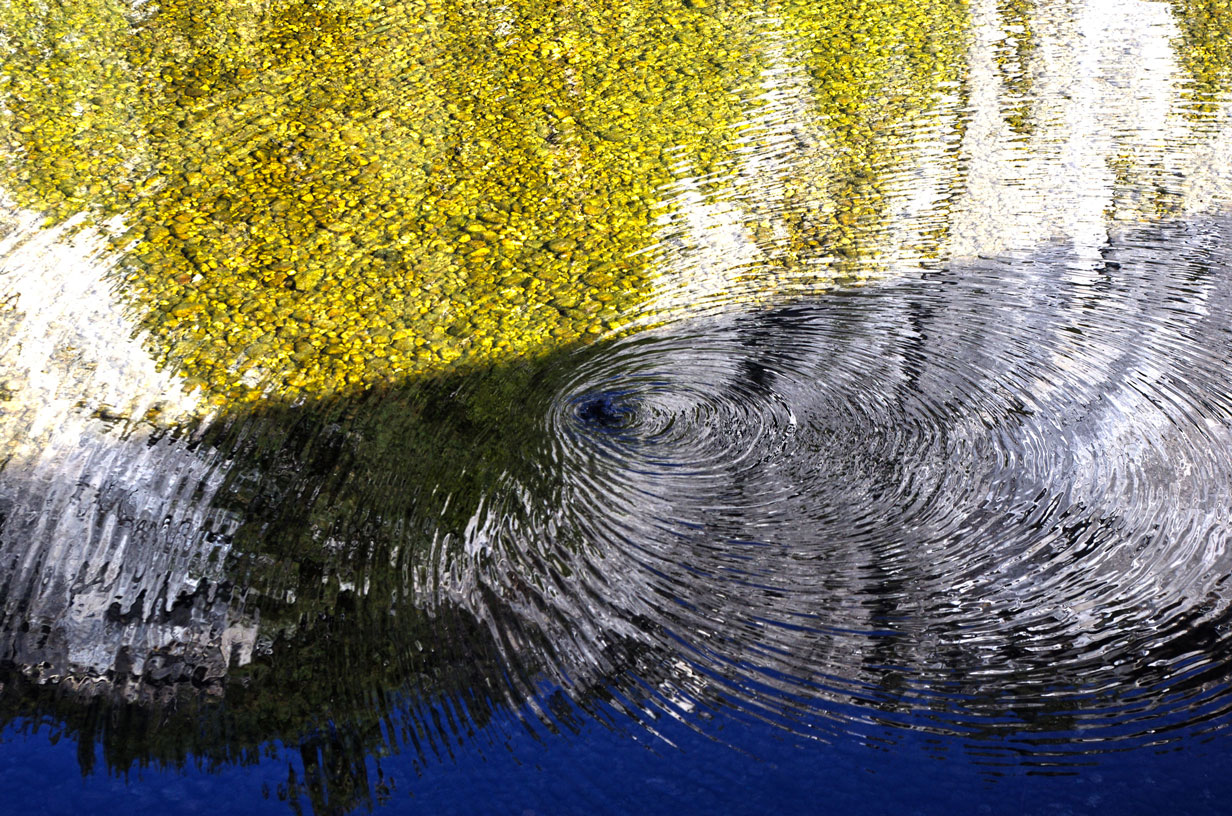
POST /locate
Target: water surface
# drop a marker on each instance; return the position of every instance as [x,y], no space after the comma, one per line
[684,404]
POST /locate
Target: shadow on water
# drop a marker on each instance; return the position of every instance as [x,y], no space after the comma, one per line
[307,575]
[988,503]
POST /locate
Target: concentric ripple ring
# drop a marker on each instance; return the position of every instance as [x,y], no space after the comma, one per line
[989,503]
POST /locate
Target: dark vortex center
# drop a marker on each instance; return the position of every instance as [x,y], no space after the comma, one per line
[603,411]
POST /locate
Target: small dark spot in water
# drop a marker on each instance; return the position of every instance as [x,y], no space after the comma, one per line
[604,411]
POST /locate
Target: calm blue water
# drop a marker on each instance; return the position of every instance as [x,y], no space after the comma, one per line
[599,771]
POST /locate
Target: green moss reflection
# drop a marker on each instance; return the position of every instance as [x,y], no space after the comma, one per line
[875,68]
[1205,51]
[325,196]
[320,197]
[1014,56]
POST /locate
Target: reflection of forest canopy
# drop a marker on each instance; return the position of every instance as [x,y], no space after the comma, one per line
[1205,49]
[339,195]
[873,67]
[322,196]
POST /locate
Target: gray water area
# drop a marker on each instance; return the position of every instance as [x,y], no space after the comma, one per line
[914,420]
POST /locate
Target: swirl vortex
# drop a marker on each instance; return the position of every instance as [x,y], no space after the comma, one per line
[990,503]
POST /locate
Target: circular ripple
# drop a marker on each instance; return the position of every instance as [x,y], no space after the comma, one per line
[990,504]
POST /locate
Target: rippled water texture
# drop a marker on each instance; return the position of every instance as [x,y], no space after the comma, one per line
[372,378]
[991,501]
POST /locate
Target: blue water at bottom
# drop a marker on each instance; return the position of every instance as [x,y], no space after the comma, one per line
[597,770]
